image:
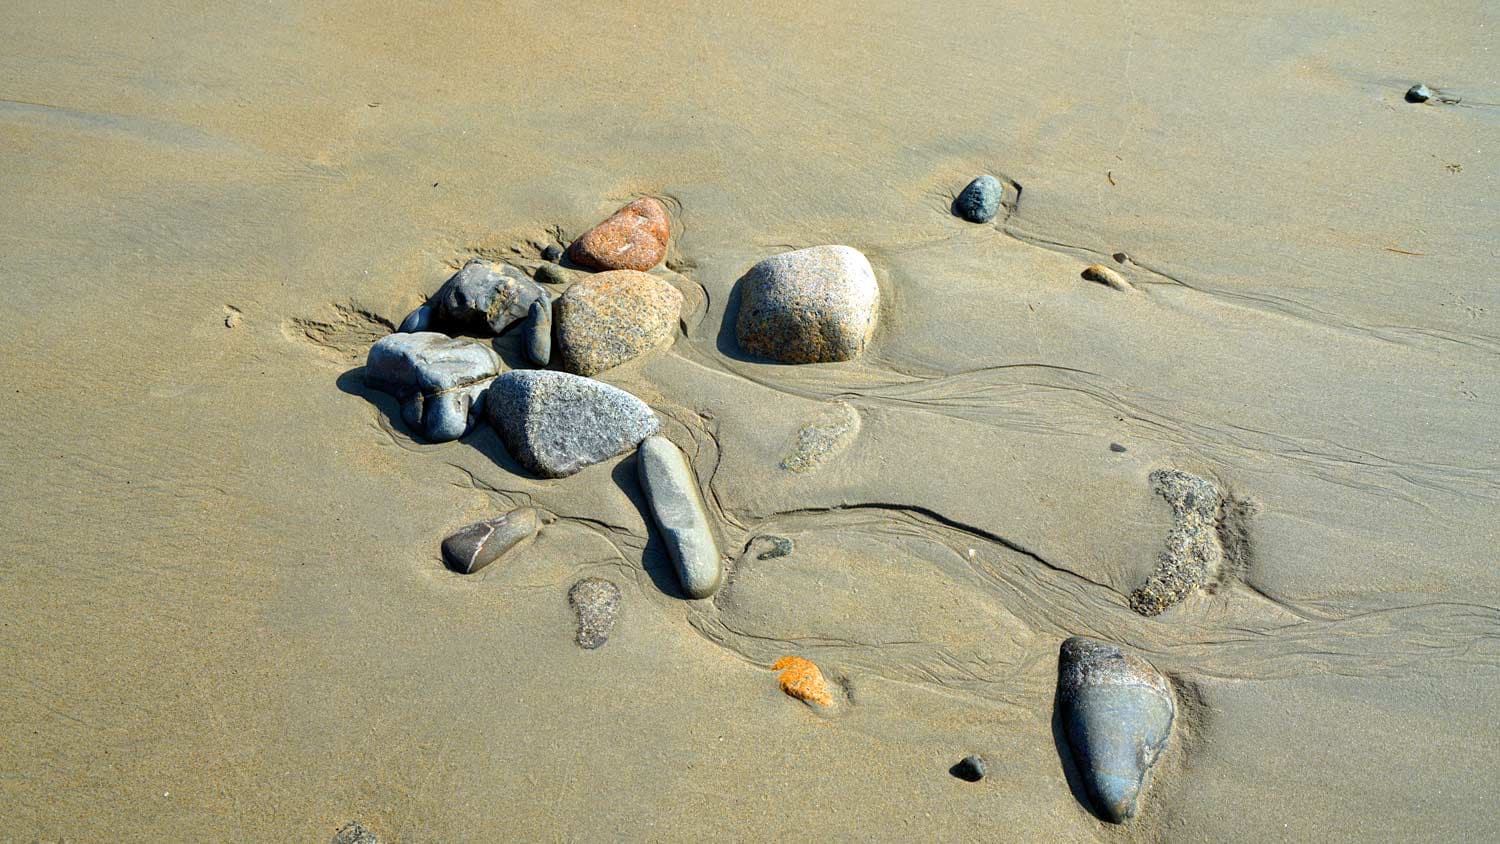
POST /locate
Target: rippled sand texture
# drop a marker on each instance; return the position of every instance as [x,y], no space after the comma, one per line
[224,612]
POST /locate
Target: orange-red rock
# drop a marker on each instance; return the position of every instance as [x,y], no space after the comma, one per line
[633,238]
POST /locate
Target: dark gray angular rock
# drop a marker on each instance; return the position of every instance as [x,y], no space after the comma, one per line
[597,603]
[539,331]
[1418,93]
[677,506]
[814,305]
[483,298]
[970,768]
[552,252]
[440,381]
[980,201]
[1117,712]
[472,547]
[555,423]
[418,320]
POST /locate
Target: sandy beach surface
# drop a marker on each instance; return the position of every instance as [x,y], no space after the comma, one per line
[224,615]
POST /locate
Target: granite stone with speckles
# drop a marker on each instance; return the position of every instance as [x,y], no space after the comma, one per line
[633,238]
[814,305]
[606,319]
[555,424]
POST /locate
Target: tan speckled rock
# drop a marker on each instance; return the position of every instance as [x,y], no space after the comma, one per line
[606,319]
[813,305]
[633,238]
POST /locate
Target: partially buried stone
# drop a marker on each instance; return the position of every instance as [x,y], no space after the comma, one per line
[354,832]
[813,305]
[440,381]
[539,332]
[552,274]
[633,238]
[970,768]
[1194,552]
[1418,93]
[483,297]
[418,320]
[1117,713]
[555,424]
[980,201]
[597,602]
[780,546]
[472,547]
[677,506]
[552,252]
[606,319]
[1100,274]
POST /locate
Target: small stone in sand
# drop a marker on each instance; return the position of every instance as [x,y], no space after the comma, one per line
[1117,448]
[231,318]
[681,516]
[633,238]
[354,832]
[980,201]
[472,547]
[555,424]
[1100,274]
[552,252]
[597,602]
[552,274]
[539,332]
[780,547]
[1418,93]
[607,319]
[822,439]
[1117,713]
[1194,553]
[802,680]
[970,768]
[815,305]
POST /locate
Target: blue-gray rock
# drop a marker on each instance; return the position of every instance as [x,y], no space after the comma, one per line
[552,252]
[1117,712]
[440,381]
[813,305]
[418,320]
[1418,93]
[970,768]
[980,201]
[483,297]
[539,331]
[677,506]
[555,423]
[472,547]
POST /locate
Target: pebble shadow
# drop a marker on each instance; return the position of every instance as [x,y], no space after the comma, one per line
[1070,769]
[655,560]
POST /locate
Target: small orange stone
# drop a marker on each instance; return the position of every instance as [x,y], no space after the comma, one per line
[803,680]
[633,238]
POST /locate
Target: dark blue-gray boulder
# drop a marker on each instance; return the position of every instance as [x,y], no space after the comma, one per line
[1117,712]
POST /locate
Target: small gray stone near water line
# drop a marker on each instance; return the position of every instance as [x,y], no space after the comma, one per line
[472,547]
[552,252]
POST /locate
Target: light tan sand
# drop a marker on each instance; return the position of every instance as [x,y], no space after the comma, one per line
[223,613]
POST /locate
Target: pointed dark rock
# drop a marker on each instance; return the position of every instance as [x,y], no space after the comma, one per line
[980,201]
[472,547]
[1117,712]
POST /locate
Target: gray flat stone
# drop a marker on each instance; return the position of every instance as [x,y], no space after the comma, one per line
[813,305]
[440,381]
[677,505]
[539,331]
[1117,712]
[555,423]
[483,298]
[597,603]
[980,201]
[472,547]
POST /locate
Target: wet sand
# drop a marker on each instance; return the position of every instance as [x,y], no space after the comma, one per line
[224,611]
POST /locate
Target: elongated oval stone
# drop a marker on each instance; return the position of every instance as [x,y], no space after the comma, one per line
[1117,712]
[677,506]
[472,547]
[539,332]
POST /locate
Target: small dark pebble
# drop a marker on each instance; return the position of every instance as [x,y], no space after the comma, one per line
[969,769]
[780,547]
[354,832]
[1418,93]
[980,201]
[1117,448]
[1120,257]
[552,252]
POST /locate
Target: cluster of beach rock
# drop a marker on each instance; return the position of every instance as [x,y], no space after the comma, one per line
[815,305]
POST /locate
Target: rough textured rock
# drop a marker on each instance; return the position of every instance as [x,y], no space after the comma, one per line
[609,318]
[483,298]
[555,424]
[677,506]
[354,832]
[980,201]
[813,305]
[633,238]
[822,439]
[1194,552]
[597,603]
[1117,712]
[539,332]
[440,381]
[970,768]
[472,547]
[803,680]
